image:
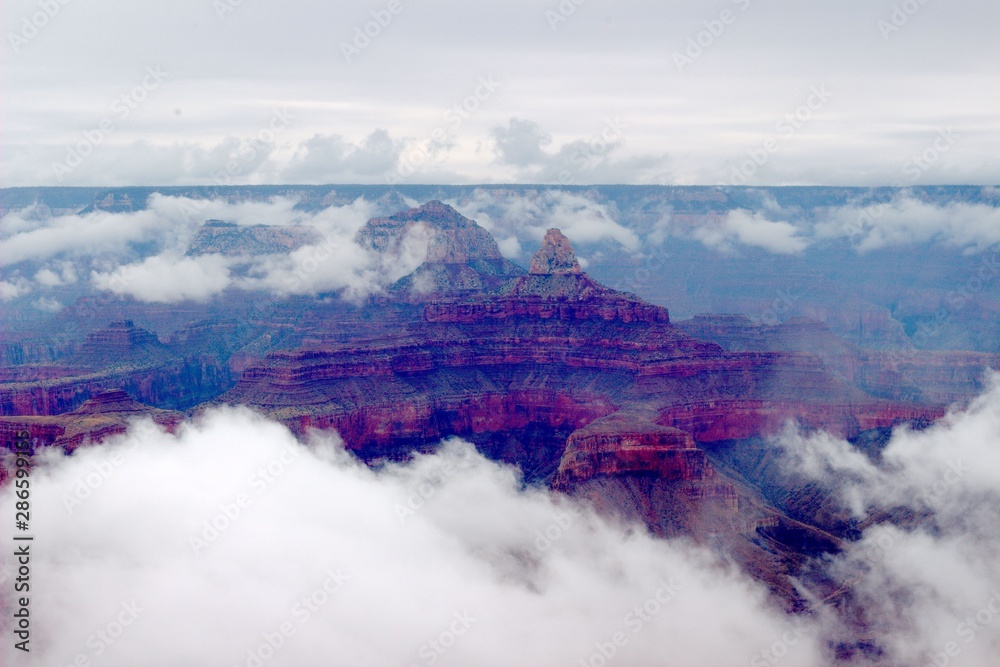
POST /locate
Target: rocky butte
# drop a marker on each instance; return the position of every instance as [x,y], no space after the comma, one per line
[589,390]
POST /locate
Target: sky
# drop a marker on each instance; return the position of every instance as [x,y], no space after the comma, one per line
[759,92]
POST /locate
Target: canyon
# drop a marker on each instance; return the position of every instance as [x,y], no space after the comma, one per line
[588,390]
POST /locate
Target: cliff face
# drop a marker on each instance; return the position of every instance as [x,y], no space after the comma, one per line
[461,257]
[107,413]
[227,238]
[173,384]
[556,256]
[590,390]
[629,443]
[927,377]
[554,349]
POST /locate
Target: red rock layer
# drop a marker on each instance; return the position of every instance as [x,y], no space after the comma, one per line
[627,443]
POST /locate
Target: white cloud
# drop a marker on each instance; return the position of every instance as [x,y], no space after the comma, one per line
[89,234]
[546,581]
[510,247]
[168,278]
[751,229]
[47,304]
[538,580]
[10,290]
[526,216]
[522,144]
[334,262]
[49,278]
[918,587]
[584,221]
[168,222]
[327,158]
[906,220]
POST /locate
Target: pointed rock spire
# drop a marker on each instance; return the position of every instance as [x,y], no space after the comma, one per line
[555,257]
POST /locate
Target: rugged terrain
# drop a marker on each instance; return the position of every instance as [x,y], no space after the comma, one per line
[588,389]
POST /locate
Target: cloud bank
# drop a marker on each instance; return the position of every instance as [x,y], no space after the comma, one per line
[114,249]
[929,585]
[231,542]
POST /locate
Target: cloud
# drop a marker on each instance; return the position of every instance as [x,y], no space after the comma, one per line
[168,225]
[921,587]
[510,247]
[521,143]
[89,234]
[751,229]
[525,217]
[585,221]
[336,262]
[331,158]
[47,304]
[49,278]
[907,220]
[12,289]
[169,278]
[231,529]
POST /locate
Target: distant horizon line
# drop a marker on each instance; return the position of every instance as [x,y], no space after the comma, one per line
[396,186]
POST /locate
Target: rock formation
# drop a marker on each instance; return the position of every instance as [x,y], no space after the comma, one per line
[556,256]
[588,389]
[460,256]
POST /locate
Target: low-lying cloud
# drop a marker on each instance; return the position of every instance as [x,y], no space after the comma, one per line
[929,587]
[519,222]
[113,250]
[906,220]
[751,229]
[168,278]
[231,542]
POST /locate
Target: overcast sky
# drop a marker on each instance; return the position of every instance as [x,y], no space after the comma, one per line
[604,91]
